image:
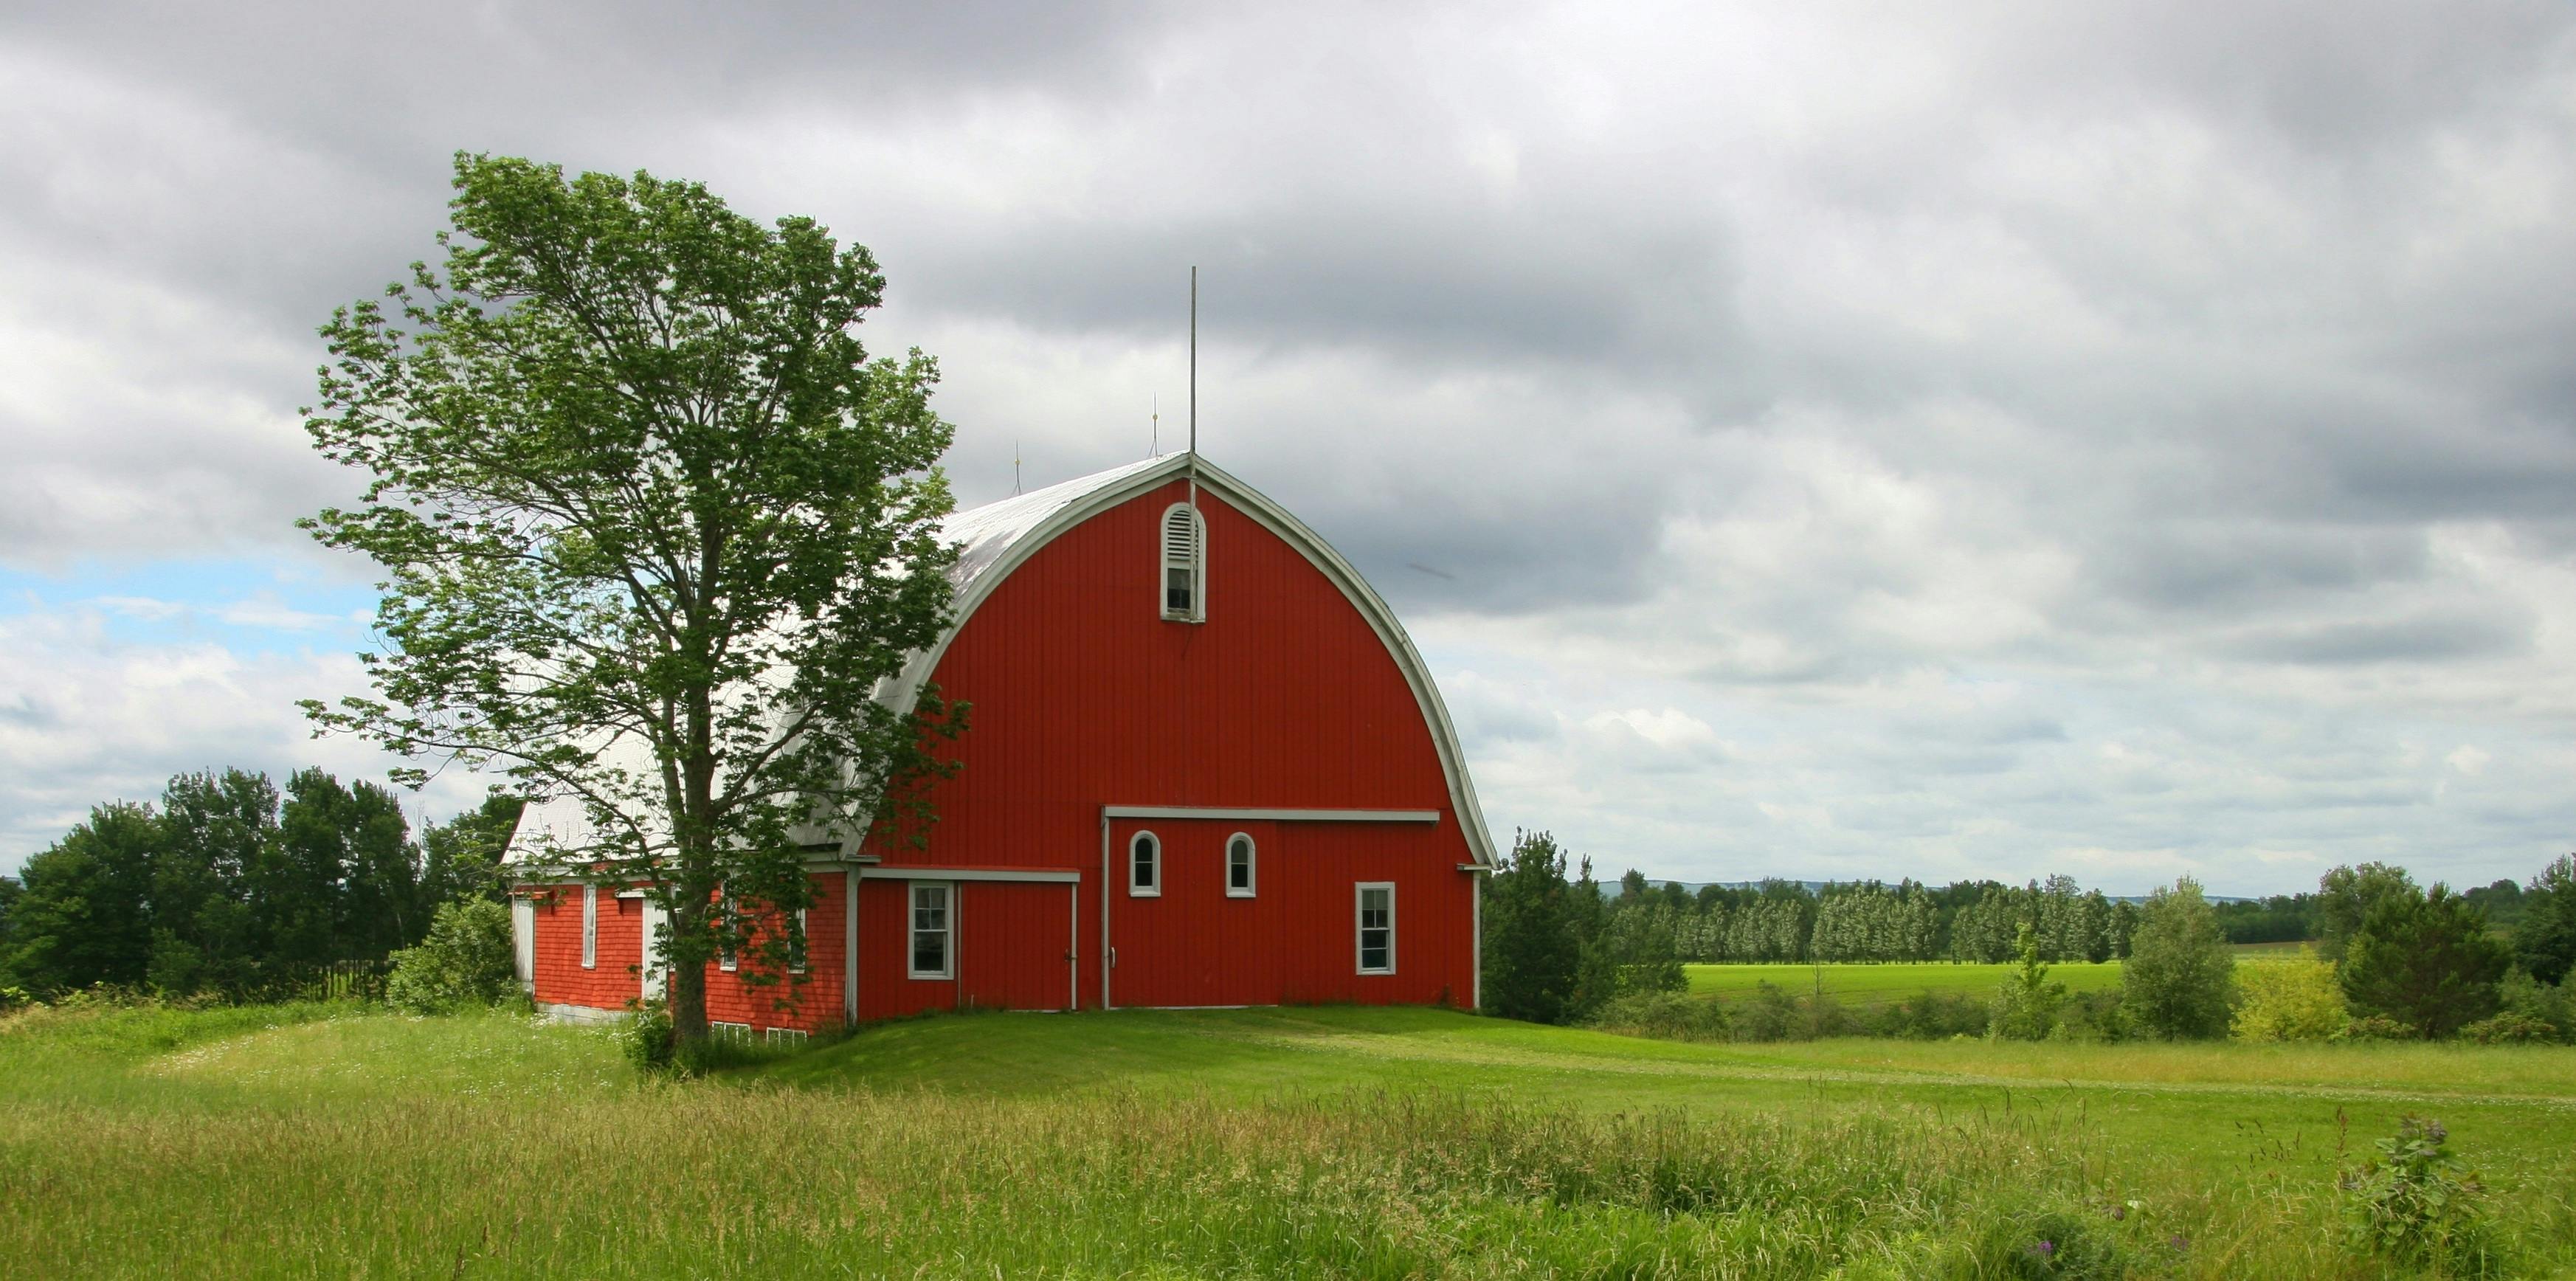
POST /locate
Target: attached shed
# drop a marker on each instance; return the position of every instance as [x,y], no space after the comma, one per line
[1205,767]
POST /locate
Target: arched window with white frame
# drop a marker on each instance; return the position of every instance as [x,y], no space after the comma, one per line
[1144,866]
[1183,581]
[1240,878]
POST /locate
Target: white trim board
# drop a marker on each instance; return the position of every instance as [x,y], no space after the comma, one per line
[1187,812]
[1039,875]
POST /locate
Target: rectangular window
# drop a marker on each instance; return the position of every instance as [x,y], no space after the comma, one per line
[788,1036]
[1377,927]
[590,927]
[803,940]
[933,930]
[738,1033]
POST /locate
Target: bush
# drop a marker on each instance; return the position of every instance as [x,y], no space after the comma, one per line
[1933,1016]
[2025,1005]
[2510,1029]
[1671,1016]
[649,1039]
[2175,983]
[2377,1027]
[2427,960]
[2291,1000]
[2524,995]
[466,961]
[1772,1014]
[12,998]
[2094,1016]
[2414,1203]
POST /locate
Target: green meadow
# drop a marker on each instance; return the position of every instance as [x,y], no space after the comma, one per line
[1873,985]
[320,1140]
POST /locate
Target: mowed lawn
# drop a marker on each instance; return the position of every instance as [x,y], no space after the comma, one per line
[323,1141]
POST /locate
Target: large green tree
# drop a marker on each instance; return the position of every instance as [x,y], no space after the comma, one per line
[2426,960]
[2545,940]
[83,908]
[2176,982]
[461,858]
[2345,897]
[1529,943]
[653,527]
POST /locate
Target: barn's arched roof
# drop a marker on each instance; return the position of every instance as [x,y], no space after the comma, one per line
[996,538]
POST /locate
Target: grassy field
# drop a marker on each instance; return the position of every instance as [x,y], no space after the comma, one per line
[1873,985]
[322,1141]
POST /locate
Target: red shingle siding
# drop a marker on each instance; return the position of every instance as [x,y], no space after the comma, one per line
[812,1004]
[560,978]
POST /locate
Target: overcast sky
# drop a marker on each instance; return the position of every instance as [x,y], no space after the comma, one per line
[2119,440]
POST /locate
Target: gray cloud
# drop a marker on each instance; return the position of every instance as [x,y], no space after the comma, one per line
[2131,438]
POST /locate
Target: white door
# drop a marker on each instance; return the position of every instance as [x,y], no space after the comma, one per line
[654,970]
[523,939]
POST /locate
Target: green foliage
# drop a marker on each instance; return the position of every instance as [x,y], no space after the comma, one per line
[461,858]
[1530,949]
[2026,1004]
[83,910]
[653,528]
[2416,1204]
[2176,982]
[2345,897]
[1671,1016]
[2298,999]
[2426,960]
[2059,1243]
[1932,1016]
[466,961]
[2544,941]
[649,1040]
[2378,1027]
[2510,1029]
[2530,999]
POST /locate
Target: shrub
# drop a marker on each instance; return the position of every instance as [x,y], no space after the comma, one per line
[2176,981]
[2377,1027]
[2415,1204]
[1933,1016]
[2025,1005]
[2094,1016]
[649,1039]
[1672,1016]
[2291,1000]
[2510,1029]
[465,961]
[12,998]
[2540,1002]
[2426,960]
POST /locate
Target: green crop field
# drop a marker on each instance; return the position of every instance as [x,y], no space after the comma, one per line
[324,1141]
[1887,984]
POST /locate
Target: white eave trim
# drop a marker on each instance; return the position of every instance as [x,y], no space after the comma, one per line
[906,687]
[1042,875]
[1270,816]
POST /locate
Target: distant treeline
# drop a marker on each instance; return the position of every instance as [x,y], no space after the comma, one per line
[1782,920]
[227,886]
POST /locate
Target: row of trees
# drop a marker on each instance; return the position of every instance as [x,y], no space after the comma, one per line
[1779,920]
[228,885]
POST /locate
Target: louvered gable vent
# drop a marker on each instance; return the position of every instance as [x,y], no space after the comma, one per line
[1184,564]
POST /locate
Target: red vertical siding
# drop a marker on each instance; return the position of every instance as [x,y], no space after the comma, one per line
[1010,939]
[1284,698]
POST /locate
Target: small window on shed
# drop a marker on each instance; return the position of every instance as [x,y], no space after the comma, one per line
[1238,866]
[1144,866]
[590,927]
[1377,927]
[1184,564]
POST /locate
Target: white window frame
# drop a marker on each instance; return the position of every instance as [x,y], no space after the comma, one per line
[1251,887]
[1359,926]
[790,1036]
[1164,565]
[590,927]
[739,1033]
[725,959]
[912,930]
[807,940]
[1155,889]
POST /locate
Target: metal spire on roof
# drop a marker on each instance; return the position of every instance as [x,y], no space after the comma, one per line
[1194,396]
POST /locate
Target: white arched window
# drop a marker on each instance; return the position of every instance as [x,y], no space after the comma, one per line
[1183,548]
[1239,879]
[1144,866]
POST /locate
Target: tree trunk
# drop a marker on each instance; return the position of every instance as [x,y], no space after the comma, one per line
[686,988]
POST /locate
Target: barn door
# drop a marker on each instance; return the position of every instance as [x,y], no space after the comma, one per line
[1193,933]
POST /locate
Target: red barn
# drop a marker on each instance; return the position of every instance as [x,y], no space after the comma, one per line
[1205,767]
